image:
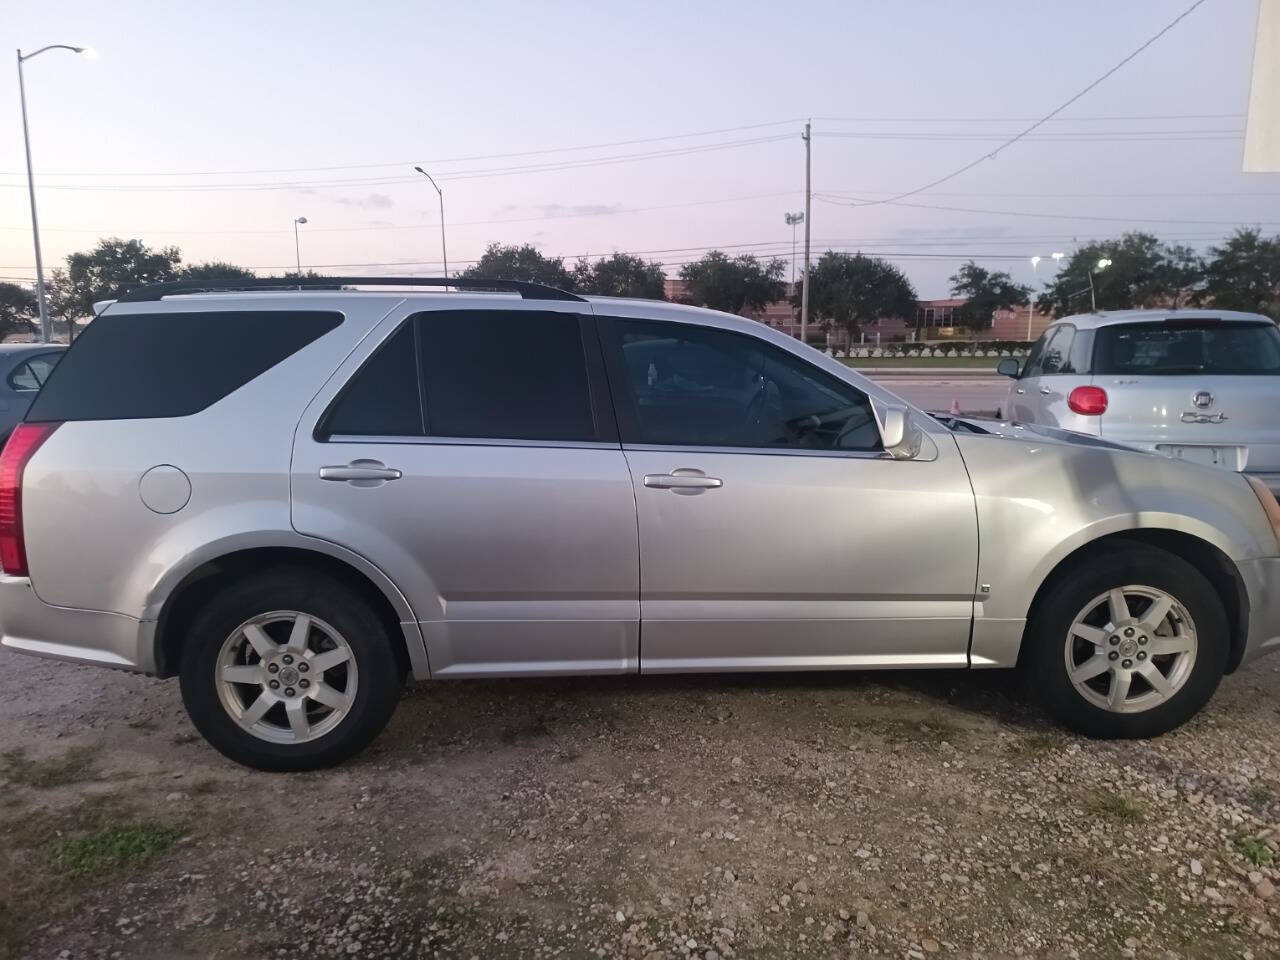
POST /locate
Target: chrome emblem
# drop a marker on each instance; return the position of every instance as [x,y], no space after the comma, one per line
[1202,399]
[1192,417]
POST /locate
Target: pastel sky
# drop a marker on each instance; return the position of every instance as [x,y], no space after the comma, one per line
[212,126]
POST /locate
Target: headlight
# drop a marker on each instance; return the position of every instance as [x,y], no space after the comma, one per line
[1268,501]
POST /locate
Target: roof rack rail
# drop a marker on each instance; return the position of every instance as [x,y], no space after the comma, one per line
[527,289]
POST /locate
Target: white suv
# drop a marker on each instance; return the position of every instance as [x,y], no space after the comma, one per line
[1197,385]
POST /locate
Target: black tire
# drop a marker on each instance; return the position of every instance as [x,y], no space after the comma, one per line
[381,676]
[1121,565]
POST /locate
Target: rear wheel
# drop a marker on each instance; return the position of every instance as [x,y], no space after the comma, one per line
[289,671]
[1129,644]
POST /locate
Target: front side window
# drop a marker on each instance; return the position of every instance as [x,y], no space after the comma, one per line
[1057,354]
[1035,357]
[518,375]
[1177,347]
[688,385]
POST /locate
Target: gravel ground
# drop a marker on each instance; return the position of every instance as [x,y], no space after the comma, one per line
[818,815]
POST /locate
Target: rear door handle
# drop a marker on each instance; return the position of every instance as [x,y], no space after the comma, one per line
[1045,391]
[681,481]
[361,472]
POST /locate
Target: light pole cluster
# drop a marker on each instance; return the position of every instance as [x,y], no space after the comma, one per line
[1035,263]
[45,329]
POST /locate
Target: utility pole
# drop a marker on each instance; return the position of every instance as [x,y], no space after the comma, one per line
[808,196]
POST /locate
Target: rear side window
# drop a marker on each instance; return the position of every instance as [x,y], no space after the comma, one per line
[382,398]
[1179,347]
[127,366]
[32,373]
[512,375]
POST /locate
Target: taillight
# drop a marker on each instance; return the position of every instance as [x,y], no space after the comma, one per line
[1089,401]
[23,443]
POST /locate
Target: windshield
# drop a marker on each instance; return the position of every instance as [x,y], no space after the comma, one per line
[1188,346]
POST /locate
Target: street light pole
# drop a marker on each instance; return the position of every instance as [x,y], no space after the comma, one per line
[792,220]
[444,252]
[1035,265]
[1093,297]
[808,194]
[46,332]
[297,246]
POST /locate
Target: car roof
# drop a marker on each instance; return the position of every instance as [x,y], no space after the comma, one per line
[1107,318]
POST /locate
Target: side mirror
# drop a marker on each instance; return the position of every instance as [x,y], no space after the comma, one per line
[900,435]
[1009,367]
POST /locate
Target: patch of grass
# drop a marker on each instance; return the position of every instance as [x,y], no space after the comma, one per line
[74,766]
[125,846]
[1255,851]
[984,363]
[1118,806]
[1260,793]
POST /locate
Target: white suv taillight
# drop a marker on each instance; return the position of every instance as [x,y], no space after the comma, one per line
[23,443]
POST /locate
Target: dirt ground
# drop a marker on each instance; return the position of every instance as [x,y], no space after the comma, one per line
[815,815]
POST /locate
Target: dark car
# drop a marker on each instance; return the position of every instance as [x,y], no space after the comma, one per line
[24,367]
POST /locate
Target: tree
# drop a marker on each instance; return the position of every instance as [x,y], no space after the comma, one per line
[732,284]
[1244,274]
[18,309]
[985,293]
[850,290]
[524,262]
[620,275]
[1143,273]
[107,270]
[215,270]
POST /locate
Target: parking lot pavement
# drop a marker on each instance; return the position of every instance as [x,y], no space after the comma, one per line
[798,815]
[974,394]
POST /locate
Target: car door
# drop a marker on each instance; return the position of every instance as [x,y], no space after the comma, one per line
[473,457]
[1024,393]
[1058,377]
[774,531]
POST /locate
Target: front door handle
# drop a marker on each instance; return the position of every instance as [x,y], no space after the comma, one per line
[362,473]
[1019,390]
[681,481]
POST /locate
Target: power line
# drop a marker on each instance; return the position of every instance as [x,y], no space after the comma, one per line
[1051,114]
[844,202]
[482,173]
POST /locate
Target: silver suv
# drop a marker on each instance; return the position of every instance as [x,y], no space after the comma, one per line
[1202,386]
[293,500]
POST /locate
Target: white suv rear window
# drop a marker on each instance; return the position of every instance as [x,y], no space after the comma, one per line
[1180,347]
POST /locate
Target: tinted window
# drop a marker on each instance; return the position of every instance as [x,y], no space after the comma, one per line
[381,400]
[130,365]
[33,372]
[1080,359]
[511,375]
[696,386]
[1188,346]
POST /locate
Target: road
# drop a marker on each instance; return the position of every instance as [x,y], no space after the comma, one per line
[975,394]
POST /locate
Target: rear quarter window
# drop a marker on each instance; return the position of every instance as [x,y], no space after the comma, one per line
[128,366]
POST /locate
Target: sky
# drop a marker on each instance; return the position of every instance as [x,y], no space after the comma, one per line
[663,129]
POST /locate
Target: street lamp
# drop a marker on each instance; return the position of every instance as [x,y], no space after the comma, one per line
[297,248]
[1103,263]
[45,332]
[440,193]
[793,219]
[1057,258]
[1035,263]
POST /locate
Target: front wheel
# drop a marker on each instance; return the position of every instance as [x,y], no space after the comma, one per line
[1130,644]
[289,671]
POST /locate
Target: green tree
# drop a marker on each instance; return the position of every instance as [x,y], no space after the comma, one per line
[850,290]
[109,269]
[733,284]
[18,309]
[215,270]
[1143,273]
[1244,274]
[985,292]
[524,262]
[620,275]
